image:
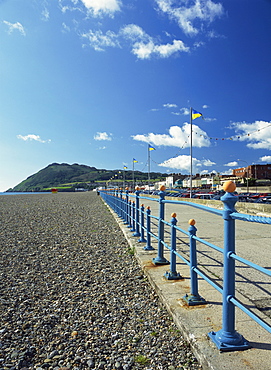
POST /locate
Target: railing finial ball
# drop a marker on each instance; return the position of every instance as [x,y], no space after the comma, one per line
[162,188]
[192,222]
[173,214]
[229,186]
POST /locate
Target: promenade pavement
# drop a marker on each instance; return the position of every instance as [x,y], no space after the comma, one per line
[252,288]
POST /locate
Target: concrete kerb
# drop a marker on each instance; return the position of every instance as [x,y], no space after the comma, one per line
[196,322]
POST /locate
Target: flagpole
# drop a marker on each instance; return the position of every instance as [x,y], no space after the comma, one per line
[124,179]
[149,167]
[133,175]
[191,152]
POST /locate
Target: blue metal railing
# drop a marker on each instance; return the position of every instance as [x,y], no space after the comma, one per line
[140,222]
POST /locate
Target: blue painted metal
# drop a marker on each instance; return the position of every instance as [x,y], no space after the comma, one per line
[205,277]
[195,205]
[142,227]
[129,213]
[193,298]
[148,246]
[250,314]
[126,208]
[173,274]
[251,218]
[228,339]
[137,233]
[133,217]
[251,264]
[160,259]
[121,214]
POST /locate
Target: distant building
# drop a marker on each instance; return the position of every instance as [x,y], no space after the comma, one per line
[178,183]
[255,171]
[210,181]
[215,181]
[158,184]
[170,180]
[196,181]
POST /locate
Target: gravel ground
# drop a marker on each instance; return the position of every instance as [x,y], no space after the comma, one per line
[72,295]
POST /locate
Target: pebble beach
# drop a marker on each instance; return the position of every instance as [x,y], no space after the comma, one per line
[72,293]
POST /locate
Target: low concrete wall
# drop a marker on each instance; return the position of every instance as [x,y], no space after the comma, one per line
[242,207]
[258,209]
[254,189]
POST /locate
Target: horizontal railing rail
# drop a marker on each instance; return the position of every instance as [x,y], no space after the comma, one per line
[141,222]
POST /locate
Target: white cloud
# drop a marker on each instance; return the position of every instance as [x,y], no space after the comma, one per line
[146,50]
[169,105]
[144,46]
[185,111]
[257,134]
[205,106]
[134,33]
[98,41]
[185,15]
[100,7]
[31,137]
[228,172]
[210,172]
[182,162]
[208,119]
[214,35]
[231,164]
[102,136]
[65,28]
[198,44]
[177,137]
[15,26]
[45,14]
[266,158]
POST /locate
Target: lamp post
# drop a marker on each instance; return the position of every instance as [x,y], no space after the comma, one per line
[241,160]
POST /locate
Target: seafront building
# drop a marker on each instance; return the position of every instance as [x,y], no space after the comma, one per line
[253,175]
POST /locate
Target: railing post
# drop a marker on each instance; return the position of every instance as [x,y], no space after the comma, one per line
[193,298]
[228,339]
[148,246]
[121,204]
[126,207]
[114,201]
[173,274]
[136,233]
[142,238]
[160,259]
[130,214]
[117,201]
[133,216]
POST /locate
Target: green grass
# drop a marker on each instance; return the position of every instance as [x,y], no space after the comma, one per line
[174,331]
[57,187]
[131,251]
[142,360]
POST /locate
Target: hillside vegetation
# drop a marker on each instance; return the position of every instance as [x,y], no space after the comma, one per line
[68,177]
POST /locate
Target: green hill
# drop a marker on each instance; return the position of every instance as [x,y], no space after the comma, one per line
[68,177]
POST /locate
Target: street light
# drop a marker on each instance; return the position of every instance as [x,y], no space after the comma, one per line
[241,160]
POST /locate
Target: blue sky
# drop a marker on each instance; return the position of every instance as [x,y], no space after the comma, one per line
[95,81]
